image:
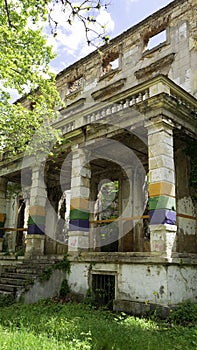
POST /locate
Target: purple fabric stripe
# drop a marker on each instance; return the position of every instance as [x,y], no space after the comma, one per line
[79,225]
[162,216]
[34,229]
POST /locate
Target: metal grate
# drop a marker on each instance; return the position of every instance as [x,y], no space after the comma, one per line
[103,288]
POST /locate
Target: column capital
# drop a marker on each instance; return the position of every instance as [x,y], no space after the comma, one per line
[159,123]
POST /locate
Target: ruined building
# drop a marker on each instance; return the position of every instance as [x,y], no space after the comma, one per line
[118,198]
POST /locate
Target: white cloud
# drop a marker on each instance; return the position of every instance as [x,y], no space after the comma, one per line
[70,43]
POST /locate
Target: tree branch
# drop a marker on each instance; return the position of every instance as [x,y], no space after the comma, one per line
[8,13]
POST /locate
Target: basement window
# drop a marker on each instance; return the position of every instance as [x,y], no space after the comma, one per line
[103,289]
[155,40]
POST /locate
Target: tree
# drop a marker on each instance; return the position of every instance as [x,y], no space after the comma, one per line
[24,68]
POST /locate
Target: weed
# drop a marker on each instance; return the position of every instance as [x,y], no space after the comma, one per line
[65,289]
[54,326]
[184,314]
[6,300]
[63,265]
[46,274]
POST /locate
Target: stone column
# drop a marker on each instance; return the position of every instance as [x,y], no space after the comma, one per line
[162,202]
[36,223]
[79,203]
[3,190]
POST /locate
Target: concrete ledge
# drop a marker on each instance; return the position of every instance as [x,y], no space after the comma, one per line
[132,258]
[140,308]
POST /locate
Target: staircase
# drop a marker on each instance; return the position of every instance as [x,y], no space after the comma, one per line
[18,276]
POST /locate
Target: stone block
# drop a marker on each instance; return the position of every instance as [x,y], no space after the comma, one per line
[161,161]
[158,149]
[78,242]
[79,203]
[163,239]
[162,202]
[161,188]
[34,244]
[161,137]
[161,174]
[82,192]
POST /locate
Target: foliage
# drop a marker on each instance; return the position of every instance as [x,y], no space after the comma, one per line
[65,289]
[185,314]
[24,69]
[47,325]
[6,299]
[46,274]
[63,265]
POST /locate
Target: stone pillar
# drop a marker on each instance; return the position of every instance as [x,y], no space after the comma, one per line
[3,190]
[162,202]
[79,204]
[36,223]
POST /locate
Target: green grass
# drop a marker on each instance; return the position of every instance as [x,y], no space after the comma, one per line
[54,326]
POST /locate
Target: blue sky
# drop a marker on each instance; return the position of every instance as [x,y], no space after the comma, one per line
[70,44]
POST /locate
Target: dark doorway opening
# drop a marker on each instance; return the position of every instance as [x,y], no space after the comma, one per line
[20,224]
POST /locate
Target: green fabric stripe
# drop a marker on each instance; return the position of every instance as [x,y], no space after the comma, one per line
[36,219]
[1,224]
[162,202]
[77,214]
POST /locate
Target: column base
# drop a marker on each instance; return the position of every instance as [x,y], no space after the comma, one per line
[34,245]
[1,244]
[78,241]
[163,239]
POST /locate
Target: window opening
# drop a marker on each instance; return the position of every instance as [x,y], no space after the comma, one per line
[156,40]
[74,85]
[110,63]
[103,288]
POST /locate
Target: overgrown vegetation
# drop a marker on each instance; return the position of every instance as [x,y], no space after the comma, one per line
[63,265]
[185,314]
[25,68]
[53,326]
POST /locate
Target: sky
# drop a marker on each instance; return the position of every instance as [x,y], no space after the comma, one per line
[70,43]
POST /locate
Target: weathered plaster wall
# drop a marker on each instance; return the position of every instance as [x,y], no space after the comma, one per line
[45,289]
[145,283]
[176,57]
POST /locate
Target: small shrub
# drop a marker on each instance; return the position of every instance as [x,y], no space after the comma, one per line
[63,265]
[20,252]
[46,274]
[65,289]
[185,314]
[6,300]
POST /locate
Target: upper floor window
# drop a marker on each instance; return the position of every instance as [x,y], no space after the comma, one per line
[74,85]
[156,40]
[110,62]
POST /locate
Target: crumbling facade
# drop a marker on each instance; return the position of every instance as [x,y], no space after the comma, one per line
[118,198]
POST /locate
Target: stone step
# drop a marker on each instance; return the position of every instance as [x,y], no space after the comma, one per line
[16,276]
[9,269]
[5,293]
[8,288]
[23,276]
[36,264]
[30,271]
[14,281]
